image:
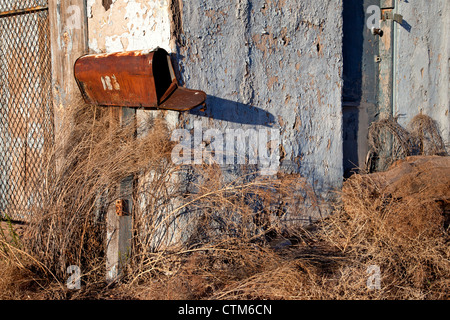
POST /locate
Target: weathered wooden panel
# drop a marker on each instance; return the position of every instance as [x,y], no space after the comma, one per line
[68,34]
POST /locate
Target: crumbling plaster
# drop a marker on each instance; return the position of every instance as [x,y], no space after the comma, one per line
[128,25]
[267,63]
[263,64]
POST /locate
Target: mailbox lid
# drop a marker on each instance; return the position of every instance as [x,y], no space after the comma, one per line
[183,99]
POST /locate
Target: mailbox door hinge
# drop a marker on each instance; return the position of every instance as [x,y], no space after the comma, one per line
[388,15]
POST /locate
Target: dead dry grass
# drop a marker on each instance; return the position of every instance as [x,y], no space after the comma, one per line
[235,244]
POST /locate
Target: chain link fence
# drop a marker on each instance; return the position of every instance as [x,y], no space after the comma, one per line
[26,111]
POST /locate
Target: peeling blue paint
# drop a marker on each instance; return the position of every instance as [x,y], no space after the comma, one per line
[263,62]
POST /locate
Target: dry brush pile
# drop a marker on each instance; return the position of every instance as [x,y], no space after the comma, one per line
[235,242]
[389,141]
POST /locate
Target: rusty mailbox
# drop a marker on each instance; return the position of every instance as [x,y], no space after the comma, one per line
[141,78]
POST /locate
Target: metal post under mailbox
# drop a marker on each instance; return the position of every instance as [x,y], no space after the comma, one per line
[125,81]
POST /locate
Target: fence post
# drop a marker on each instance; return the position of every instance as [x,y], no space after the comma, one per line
[119,221]
[69,41]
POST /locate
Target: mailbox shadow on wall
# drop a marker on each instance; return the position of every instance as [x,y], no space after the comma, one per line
[232,111]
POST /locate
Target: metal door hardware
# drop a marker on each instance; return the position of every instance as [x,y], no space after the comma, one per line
[392,16]
[377,31]
[122,207]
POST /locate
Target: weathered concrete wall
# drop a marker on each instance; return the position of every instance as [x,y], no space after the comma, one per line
[263,64]
[422,62]
[271,63]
